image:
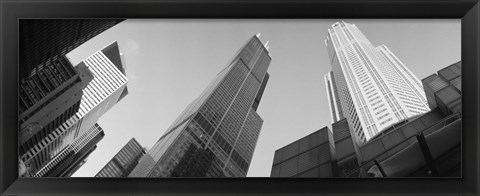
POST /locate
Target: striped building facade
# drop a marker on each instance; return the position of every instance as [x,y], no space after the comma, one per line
[64,164]
[48,99]
[50,88]
[369,85]
[102,93]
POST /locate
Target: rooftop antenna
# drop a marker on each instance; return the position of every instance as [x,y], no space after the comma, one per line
[258,34]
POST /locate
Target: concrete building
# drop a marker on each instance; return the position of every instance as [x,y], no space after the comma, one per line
[49,98]
[50,88]
[310,156]
[107,87]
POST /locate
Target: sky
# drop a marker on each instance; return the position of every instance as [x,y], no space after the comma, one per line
[169,62]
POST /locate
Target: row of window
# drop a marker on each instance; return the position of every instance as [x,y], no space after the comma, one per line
[247,138]
[30,143]
[81,141]
[386,121]
[304,161]
[45,149]
[110,170]
[390,56]
[382,110]
[50,167]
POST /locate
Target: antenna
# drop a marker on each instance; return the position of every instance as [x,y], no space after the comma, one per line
[258,34]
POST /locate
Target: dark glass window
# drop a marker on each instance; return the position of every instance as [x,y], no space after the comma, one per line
[220,140]
[289,168]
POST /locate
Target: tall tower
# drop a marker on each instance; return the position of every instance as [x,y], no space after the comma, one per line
[107,87]
[72,157]
[124,161]
[216,134]
[50,87]
[369,85]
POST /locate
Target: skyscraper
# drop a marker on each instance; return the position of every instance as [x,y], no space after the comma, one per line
[102,93]
[48,98]
[124,161]
[69,160]
[427,145]
[216,134]
[369,85]
[50,88]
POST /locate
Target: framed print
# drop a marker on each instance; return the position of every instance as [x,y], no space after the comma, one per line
[246,97]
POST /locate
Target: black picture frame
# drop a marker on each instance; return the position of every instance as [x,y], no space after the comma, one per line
[466,10]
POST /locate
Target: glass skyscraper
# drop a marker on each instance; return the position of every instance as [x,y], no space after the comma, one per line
[124,161]
[216,134]
[369,85]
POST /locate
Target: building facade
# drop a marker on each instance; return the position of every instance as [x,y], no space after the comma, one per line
[68,160]
[423,146]
[50,88]
[310,156]
[216,134]
[369,85]
[47,99]
[105,89]
[45,40]
[123,163]
[427,145]
[449,78]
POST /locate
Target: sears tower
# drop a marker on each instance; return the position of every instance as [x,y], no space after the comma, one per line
[216,134]
[368,85]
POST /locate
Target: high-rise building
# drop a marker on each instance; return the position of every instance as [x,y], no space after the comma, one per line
[369,85]
[124,161]
[44,40]
[427,145]
[50,88]
[73,156]
[102,93]
[216,134]
[47,99]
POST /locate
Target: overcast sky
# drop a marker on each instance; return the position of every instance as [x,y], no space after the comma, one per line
[170,62]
